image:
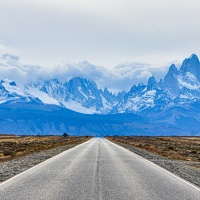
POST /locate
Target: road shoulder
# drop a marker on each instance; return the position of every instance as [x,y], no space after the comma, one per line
[183,169]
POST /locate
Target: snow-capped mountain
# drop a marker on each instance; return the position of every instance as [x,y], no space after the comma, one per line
[179,87]
[184,83]
[49,92]
[79,94]
[143,97]
[10,92]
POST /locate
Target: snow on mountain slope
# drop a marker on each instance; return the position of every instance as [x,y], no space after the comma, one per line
[137,99]
[89,96]
[12,88]
[10,92]
[188,81]
[53,88]
[143,97]
[184,83]
[75,106]
[79,94]
[43,96]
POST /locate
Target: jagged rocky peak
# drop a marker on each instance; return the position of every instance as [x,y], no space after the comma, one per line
[152,83]
[170,81]
[107,94]
[81,88]
[83,83]
[173,70]
[83,91]
[137,89]
[106,91]
[191,65]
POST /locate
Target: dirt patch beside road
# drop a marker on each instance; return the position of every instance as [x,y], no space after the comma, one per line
[12,146]
[177,148]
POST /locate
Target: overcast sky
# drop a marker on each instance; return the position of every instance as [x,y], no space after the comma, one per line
[103,32]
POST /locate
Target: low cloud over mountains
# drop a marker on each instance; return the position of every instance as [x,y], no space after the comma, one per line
[117,78]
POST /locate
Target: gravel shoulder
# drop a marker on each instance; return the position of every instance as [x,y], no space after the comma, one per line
[183,169]
[15,166]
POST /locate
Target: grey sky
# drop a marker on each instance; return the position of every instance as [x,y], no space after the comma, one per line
[113,35]
[104,32]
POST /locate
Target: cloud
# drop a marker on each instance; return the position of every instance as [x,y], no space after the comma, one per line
[104,32]
[121,77]
[13,73]
[10,59]
[10,67]
[116,79]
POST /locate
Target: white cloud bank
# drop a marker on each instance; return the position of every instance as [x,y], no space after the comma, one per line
[118,78]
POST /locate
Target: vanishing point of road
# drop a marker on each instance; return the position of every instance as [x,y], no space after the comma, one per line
[97,169]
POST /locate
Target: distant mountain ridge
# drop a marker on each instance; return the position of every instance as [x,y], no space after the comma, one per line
[79,94]
[172,101]
[178,87]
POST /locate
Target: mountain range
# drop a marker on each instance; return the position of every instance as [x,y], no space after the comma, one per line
[166,107]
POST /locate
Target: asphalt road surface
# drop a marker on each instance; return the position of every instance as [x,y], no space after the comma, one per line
[97,169]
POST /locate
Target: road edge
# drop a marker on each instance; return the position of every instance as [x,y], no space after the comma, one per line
[169,172]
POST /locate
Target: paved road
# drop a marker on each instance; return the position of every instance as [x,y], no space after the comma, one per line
[97,169]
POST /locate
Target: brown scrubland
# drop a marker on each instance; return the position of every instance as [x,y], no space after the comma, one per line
[177,148]
[12,146]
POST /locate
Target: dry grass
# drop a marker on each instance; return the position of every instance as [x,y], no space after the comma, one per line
[178,148]
[12,146]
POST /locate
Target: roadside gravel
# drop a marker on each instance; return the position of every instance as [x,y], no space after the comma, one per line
[13,167]
[183,169]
